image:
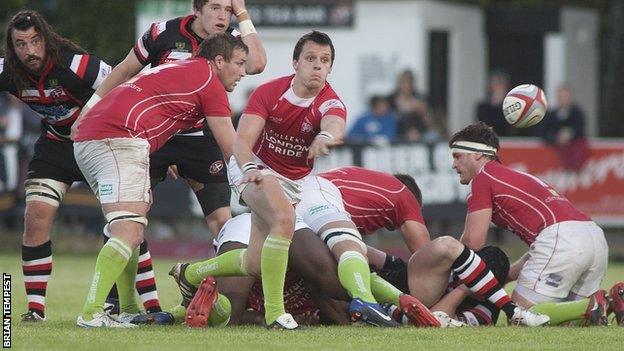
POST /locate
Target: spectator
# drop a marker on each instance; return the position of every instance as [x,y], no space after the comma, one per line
[412,110]
[564,129]
[378,125]
[490,110]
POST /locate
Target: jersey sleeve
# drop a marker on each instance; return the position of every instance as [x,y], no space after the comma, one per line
[408,208]
[5,81]
[480,196]
[215,101]
[145,47]
[259,102]
[90,70]
[333,106]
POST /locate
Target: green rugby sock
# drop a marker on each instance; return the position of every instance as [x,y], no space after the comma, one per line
[125,285]
[383,291]
[111,261]
[560,312]
[354,275]
[228,264]
[273,265]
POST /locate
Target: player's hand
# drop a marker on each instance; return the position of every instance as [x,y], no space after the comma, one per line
[253,176]
[320,147]
[173,172]
[238,6]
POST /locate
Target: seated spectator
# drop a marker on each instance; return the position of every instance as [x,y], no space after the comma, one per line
[378,125]
[564,129]
[414,121]
[490,110]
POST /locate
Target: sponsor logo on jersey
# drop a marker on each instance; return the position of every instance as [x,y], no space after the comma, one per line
[181,46]
[105,189]
[553,280]
[216,167]
[329,104]
[306,126]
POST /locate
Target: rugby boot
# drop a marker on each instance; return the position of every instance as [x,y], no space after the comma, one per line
[446,321]
[596,313]
[528,318]
[154,318]
[111,306]
[418,314]
[32,316]
[284,322]
[102,320]
[198,311]
[186,288]
[370,313]
[616,303]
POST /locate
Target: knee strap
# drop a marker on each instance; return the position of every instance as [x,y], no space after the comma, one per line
[125,216]
[333,236]
[45,190]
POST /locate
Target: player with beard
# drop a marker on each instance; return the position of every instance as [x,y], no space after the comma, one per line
[56,78]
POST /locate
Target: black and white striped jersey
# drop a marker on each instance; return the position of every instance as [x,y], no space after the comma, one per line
[58,94]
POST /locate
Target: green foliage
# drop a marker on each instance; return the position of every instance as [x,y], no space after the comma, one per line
[104,28]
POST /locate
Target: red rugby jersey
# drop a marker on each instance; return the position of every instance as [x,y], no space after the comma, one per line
[157,104]
[291,124]
[519,201]
[374,199]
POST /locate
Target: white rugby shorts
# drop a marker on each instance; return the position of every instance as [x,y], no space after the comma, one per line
[321,203]
[116,169]
[567,257]
[292,188]
[238,229]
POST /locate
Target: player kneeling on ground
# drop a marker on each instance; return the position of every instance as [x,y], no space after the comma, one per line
[543,219]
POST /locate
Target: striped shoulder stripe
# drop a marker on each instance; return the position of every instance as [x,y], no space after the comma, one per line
[1,64]
[79,65]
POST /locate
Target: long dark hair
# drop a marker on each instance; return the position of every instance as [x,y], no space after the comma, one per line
[54,44]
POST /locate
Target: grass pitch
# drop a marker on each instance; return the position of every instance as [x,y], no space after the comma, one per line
[71,276]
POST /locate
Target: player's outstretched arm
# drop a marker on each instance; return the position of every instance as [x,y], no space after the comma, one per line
[415,235]
[476,228]
[256,60]
[331,134]
[249,129]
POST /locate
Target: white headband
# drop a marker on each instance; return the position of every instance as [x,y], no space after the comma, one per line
[473,148]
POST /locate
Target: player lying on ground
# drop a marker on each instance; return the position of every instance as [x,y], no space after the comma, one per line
[287,123]
[312,282]
[113,141]
[340,204]
[429,270]
[543,219]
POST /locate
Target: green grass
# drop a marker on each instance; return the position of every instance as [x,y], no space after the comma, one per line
[72,274]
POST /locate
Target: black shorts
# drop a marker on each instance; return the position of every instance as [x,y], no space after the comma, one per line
[54,160]
[197,158]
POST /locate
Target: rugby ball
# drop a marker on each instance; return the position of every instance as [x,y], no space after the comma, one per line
[524,106]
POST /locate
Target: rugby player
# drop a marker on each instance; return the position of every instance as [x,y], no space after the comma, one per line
[55,78]
[568,252]
[193,154]
[287,123]
[113,141]
[343,204]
